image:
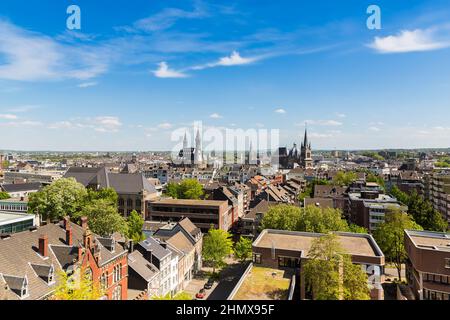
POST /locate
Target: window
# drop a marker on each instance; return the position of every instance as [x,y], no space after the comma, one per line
[447,263]
[117,293]
[104,280]
[24,289]
[121,202]
[129,202]
[51,274]
[257,258]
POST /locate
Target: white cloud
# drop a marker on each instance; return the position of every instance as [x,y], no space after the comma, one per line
[8,116]
[25,123]
[215,116]
[99,124]
[165,125]
[341,115]
[234,59]
[31,56]
[375,129]
[87,84]
[326,123]
[24,108]
[280,111]
[409,41]
[164,71]
[316,135]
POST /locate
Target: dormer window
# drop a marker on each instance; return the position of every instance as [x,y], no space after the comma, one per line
[51,275]
[24,289]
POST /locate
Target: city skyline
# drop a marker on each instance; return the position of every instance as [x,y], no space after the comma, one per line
[127,80]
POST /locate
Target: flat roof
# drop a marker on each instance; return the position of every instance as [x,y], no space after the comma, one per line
[430,240]
[9,217]
[188,202]
[353,243]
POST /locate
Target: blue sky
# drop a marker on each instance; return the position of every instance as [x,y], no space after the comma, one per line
[137,70]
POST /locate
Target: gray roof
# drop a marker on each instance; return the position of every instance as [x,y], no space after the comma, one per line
[153,245]
[122,183]
[17,187]
[141,266]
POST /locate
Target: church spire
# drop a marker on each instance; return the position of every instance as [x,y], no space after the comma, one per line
[305,142]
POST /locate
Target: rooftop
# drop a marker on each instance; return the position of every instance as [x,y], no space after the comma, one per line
[353,243]
[430,240]
[264,284]
[188,202]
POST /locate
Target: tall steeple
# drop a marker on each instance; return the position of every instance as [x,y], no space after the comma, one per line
[185,142]
[198,155]
[305,142]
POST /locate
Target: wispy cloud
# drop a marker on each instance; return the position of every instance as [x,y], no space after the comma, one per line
[215,116]
[167,18]
[409,41]
[24,108]
[326,123]
[280,111]
[87,84]
[234,59]
[31,56]
[375,129]
[8,116]
[165,125]
[164,71]
[99,124]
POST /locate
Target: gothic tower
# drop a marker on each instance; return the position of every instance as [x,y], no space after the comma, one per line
[306,152]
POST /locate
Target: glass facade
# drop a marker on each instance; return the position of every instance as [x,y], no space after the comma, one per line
[16,226]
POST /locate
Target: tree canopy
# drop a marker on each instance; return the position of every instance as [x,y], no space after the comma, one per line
[76,287]
[390,236]
[330,273]
[421,210]
[343,178]
[135,223]
[243,249]
[309,219]
[4,195]
[186,189]
[217,245]
[104,219]
[61,198]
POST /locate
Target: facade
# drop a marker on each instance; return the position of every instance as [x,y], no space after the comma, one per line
[439,193]
[306,160]
[279,249]
[428,264]
[202,213]
[16,205]
[13,222]
[30,260]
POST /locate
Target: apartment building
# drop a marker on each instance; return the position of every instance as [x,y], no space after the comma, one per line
[428,264]
[202,213]
[439,193]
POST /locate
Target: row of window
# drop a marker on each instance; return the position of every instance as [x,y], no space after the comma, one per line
[436,278]
[117,276]
[435,295]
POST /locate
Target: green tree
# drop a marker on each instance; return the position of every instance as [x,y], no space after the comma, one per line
[108,194]
[135,223]
[76,287]
[375,178]
[282,217]
[343,178]
[4,195]
[421,210]
[104,219]
[357,229]
[330,274]
[217,245]
[243,249]
[309,219]
[186,189]
[390,236]
[61,198]
[323,220]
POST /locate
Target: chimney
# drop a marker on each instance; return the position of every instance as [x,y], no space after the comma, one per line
[84,222]
[43,245]
[69,237]
[66,223]
[130,246]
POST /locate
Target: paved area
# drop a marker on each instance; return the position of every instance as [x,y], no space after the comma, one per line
[229,277]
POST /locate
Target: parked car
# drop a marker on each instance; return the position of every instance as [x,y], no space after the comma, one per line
[201,294]
[209,284]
